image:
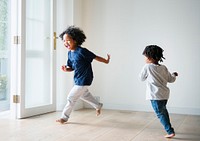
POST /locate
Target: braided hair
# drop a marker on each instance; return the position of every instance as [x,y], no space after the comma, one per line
[75,33]
[154,52]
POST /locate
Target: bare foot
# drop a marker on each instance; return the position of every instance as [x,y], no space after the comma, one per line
[170,135]
[62,121]
[98,111]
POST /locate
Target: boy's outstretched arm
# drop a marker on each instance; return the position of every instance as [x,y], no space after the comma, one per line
[101,59]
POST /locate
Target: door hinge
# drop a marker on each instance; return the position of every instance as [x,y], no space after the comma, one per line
[16,40]
[16,99]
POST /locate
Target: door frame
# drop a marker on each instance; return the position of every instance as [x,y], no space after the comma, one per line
[18,56]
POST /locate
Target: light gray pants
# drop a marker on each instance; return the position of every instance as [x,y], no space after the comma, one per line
[76,93]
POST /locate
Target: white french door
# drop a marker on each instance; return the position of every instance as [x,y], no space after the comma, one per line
[33,57]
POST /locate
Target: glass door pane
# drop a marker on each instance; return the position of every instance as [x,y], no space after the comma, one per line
[4,54]
[38,68]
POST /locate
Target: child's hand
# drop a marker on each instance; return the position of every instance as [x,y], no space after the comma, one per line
[175,73]
[64,68]
[108,59]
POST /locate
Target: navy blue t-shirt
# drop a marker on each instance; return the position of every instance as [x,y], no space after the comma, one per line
[80,61]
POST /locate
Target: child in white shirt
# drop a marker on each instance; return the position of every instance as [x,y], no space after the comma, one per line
[157,76]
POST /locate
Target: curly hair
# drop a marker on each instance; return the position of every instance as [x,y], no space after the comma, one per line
[154,52]
[75,33]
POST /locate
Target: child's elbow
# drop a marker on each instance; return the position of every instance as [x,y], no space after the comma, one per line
[142,78]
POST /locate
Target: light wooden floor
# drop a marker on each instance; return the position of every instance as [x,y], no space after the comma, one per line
[111,125]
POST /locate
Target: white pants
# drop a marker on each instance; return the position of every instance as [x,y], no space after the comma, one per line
[76,93]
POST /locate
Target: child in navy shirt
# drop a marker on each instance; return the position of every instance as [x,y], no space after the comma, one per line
[79,61]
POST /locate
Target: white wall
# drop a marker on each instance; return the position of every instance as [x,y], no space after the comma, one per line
[123,28]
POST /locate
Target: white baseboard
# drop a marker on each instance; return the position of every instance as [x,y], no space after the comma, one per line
[185,110]
[148,108]
[144,108]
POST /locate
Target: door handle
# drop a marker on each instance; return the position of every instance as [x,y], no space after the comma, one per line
[54,40]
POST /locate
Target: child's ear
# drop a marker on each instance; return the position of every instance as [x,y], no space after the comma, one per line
[149,59]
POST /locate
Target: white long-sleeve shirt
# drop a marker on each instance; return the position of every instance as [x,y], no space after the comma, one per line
[157,77]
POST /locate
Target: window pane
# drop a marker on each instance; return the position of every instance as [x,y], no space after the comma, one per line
[38,53]
[4,54]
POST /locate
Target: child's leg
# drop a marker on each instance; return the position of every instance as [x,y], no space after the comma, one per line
[87,97]
[73,96]
[159,107]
